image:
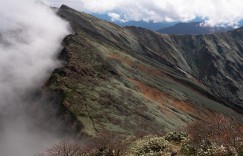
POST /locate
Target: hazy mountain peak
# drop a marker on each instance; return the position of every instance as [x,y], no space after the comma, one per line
[193,28]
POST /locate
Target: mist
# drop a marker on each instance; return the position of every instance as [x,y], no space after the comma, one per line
[30,41]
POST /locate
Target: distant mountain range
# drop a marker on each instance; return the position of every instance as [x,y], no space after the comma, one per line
[170,27]
[192,28]
[148,25]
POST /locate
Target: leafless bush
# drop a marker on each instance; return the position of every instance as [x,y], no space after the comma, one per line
[219,129]
[64,148]
[107,144]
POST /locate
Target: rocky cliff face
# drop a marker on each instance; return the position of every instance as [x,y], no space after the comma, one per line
[131,80]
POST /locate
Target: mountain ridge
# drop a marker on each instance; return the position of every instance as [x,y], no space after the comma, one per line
[131,80]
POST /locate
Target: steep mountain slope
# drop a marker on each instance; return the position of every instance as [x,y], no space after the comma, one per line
[215,60]
[192,28]
[131,80]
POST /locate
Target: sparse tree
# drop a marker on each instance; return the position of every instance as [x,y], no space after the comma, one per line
[64,148]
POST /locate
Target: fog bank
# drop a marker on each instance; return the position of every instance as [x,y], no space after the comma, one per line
[30,40]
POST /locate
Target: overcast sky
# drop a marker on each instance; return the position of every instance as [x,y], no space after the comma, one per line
[216,12]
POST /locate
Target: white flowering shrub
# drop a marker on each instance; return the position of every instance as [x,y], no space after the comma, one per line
[188,149]
[222,151]
[176,136]
[205,149]
[150,145]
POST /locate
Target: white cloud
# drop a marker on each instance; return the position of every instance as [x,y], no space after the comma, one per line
[115,17]
[215,11]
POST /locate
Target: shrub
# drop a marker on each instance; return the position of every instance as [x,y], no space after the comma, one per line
[107,144]
[188,149]
[218,130]
[176,136]
[64,148]
[150,145]
[205,149]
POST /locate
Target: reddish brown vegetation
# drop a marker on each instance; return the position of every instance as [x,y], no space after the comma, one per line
[141,67]
[165,99]
[122,59]
[148,70]
[218,129]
